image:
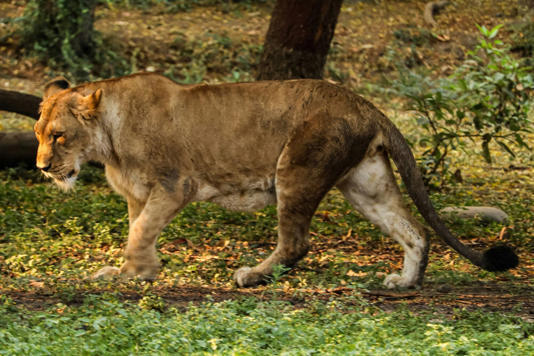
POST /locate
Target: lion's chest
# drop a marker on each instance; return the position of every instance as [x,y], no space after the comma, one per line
[128,185]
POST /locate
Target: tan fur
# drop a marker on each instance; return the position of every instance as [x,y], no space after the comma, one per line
[240,145]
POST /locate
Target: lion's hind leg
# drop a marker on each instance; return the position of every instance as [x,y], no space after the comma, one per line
[371,189]
[307,169]
[295,211]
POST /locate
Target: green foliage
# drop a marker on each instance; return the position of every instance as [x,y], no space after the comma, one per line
[104,326]
[152,302]
[61,34]
[487,100]
[51,240]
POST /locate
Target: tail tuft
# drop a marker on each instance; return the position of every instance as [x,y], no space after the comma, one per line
[499,258]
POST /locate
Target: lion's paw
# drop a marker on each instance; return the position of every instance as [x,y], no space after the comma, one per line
[240,276]
[146,271]
[107,272]
[395,281]
[246,277]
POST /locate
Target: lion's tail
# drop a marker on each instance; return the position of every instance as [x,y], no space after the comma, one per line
[496,258]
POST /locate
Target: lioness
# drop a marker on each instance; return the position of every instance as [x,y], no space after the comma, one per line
[243,146]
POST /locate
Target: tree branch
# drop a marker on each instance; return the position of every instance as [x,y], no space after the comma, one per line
[20,103]
[433,8]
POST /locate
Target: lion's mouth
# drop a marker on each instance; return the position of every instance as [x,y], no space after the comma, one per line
[66,181]
[62,177]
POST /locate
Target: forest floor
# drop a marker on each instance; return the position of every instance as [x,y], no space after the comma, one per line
[221,43]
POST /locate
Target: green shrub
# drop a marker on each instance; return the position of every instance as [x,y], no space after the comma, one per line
[61,34]
[486,101]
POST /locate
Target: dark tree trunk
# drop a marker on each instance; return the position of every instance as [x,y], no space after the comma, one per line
[20,103]
[298,39]
[17,148]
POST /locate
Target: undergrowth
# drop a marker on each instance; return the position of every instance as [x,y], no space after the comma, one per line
[104,326]
[485,101]
[216,54]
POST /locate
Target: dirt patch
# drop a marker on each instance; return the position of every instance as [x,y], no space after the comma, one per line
[491,297]
[173,296]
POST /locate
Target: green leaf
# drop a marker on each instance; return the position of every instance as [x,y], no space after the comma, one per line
[506,148]
[493,32]
[520,141]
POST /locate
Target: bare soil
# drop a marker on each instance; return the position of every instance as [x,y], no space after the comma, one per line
[443,299]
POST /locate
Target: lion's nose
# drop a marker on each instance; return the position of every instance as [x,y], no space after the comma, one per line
[45,168]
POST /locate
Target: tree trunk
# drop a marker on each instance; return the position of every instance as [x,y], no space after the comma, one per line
[298,39]
[17,148]
[20,103]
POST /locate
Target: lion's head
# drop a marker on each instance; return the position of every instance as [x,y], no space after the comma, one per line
[64,131]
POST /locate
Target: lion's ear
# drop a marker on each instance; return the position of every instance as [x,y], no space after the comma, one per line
[54,86]
[92,101]
[87,105]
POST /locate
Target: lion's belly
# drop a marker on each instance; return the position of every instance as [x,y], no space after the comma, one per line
[246,201]
[249,196]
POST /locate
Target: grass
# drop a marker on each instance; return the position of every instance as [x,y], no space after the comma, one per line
[105,326]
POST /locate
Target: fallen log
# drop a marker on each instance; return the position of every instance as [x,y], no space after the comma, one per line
[20,103]
[17,148]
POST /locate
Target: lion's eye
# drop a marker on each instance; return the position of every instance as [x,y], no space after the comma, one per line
[57,136]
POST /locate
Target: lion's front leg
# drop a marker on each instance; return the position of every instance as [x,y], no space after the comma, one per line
[140,254]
